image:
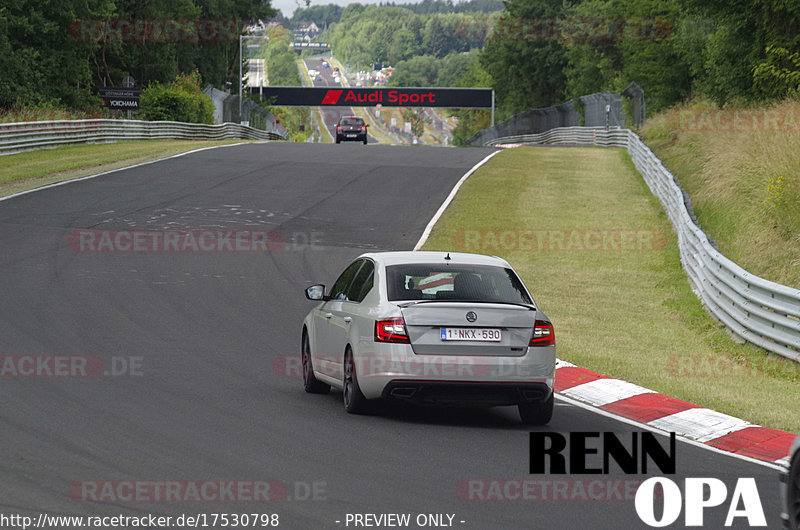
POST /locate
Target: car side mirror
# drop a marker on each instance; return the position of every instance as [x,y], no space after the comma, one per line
[316,292]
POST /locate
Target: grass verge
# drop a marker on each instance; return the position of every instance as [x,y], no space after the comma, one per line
[741,167]
[598,252]
[32,169]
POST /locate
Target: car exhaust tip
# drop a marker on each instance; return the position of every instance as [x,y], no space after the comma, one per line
[403,392]
[533,395]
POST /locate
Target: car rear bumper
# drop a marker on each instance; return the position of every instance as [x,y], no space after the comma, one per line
[529,377]
[467,393]
[357,138]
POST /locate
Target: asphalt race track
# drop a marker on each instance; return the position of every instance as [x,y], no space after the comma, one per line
[200,351]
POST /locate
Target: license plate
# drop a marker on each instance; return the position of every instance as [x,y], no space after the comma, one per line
[472,334]
[351,135]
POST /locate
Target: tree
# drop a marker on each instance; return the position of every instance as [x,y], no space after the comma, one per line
[404,45]
[417,121]
[453,67]
[421,70]
[529,70]
[393,34]
[778,75]
[182,100]
[435,41]
[44,62]
[279,60]
[633,41]
[323,16]
[471,121]
[736,42]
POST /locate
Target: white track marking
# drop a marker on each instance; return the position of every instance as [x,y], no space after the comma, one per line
[449,199]
[63,182]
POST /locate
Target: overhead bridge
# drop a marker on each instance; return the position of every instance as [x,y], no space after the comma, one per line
[300,46]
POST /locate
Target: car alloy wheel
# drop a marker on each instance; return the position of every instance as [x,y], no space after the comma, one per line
[354,400]
[536,413]
[311,384]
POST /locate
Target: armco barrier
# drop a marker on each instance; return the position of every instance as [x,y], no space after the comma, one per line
[757,310]
[25,136]
[601,109]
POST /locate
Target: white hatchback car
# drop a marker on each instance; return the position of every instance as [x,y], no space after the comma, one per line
[430,327]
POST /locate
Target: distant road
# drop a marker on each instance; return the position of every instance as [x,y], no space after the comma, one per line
[255,76]
[331,115]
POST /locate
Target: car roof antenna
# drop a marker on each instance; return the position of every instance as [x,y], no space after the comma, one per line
[447,258]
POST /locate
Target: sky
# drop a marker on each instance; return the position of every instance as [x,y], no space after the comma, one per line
[288,6]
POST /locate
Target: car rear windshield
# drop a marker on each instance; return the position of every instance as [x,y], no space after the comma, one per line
[468,283]
[358,122]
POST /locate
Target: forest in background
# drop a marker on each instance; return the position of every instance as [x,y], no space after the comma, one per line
[54,54]
[534,53]
[537,53]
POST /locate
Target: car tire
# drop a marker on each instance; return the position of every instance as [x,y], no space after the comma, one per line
[536,413]
[310,383]
[365,141]
[337,140]
[354,400]
[793,493]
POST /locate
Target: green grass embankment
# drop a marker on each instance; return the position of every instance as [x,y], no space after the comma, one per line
[32,169]
[741,168]
[598,252]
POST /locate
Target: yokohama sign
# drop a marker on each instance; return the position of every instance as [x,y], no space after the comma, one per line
[119,98]
[370,97]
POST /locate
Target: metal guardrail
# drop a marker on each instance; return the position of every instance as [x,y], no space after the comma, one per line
[759,311]
[601,109]
[612,137]
[26,136]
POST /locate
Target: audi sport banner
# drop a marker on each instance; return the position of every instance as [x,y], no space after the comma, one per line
[370,97]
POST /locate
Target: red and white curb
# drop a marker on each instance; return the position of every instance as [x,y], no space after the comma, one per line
[659,411]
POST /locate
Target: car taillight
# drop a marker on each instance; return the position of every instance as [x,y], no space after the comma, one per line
[363,128]
[543,334]
[338,127]
[391,330]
